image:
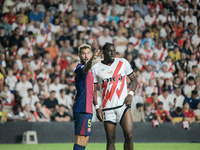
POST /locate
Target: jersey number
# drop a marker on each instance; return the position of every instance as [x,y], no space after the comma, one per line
[89,123]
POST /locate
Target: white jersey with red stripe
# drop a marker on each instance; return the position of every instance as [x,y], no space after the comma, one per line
[112,82]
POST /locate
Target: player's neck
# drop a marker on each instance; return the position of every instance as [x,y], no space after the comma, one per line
[108,62]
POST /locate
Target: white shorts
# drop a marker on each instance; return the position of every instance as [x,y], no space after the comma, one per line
[115,115]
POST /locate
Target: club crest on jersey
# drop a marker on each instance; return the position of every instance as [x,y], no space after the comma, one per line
[89,129]
[110,72]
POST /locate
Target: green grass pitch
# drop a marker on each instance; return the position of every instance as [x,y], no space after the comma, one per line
[98,146]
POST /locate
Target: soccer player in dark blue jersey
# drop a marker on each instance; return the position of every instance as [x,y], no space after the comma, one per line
[82,109]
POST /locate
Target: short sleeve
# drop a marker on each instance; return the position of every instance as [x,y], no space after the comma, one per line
[128,69]
[79,71]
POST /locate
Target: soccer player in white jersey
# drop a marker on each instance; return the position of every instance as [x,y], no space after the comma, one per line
[111,75]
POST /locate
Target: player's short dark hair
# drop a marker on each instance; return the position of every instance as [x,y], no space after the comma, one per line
[6,85]
[25,56]
[194,92]
[138,105]
[160,103]
[183,32]
[106,45]
[186,102]
[178,109]
[37,102]
[172,32]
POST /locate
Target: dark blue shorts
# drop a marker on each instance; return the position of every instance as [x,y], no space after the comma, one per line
[82,124]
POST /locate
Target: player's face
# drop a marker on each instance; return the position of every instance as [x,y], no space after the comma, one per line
[85,55]
[109,54]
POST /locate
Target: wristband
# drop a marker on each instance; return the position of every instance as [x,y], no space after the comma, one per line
[96,107]
[131,93]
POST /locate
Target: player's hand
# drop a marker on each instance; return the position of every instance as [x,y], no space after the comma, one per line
[128,100]
[100,114]
[95,54]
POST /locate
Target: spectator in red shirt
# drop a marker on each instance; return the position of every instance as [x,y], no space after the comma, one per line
[178,29]
[156,5]
[189,115]
[153,100]
[162,115]
[184,36]
[11,17]
[62,61]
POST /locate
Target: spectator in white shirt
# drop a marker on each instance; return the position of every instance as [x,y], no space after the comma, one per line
[23,86]
[30,99]
[196,39]
[105,37]
[20,25]
[177,98]
[11,80]
[65,100]
[191,18]
[5,95]
[121,41]
[25,50]
[166,99]
[151,88]
[56,86]
[189,87]
[164,74]
[23,4]
[16,115]
[65,6]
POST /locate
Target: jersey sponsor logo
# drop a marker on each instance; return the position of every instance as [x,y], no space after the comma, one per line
[114,80]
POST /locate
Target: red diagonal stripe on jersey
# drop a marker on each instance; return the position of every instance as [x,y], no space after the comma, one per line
[119,92]
[110,94]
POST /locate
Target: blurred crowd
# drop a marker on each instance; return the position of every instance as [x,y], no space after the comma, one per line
[39,42]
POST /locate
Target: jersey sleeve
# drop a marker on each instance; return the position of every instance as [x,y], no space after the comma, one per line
[79,71]
[128,69]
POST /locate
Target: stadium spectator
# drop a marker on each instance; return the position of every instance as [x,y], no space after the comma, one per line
[136,99]
[30,99]
[16,115]
[175,54]
[16,38]
[36,15]
[165,98]
[11,80]
[179,29]
[23,86]
[139,6]
[138,114]
[80,8]
[177,98]
[177,115]
[193,101]
[51,103]
[155,63]
[162,115]
[41,114]
[5,95]
[149,116]
[27,112]
[189,115]
[151,88]
[7,27]
[61,115]
[189,87]
[105,37]
[153,100]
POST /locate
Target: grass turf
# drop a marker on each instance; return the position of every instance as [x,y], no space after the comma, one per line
[95,146]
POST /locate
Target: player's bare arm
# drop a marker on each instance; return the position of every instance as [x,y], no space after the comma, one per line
[89,63]
[100,114]
[133,87]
